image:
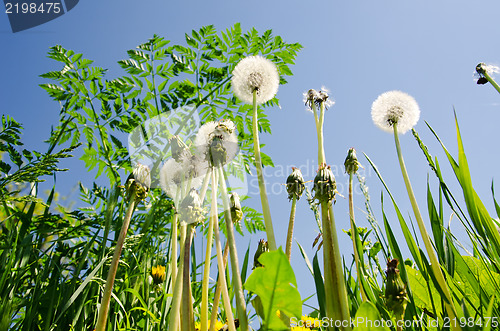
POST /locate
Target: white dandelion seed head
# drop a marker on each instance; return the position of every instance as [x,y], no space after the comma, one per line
[223,130]
[173,175]
[395,108]
[255,73]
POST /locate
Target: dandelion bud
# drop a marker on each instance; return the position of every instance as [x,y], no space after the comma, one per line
[158,274]
[295,184]
[324,184]
[139,181]
[236,212]
[263,247]
[395,291]
[351,163]
[190,208]
[179,148]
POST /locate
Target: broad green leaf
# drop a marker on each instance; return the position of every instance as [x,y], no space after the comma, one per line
[276,286]
[368,318]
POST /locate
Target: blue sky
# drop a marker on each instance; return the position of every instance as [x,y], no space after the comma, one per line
[358,49]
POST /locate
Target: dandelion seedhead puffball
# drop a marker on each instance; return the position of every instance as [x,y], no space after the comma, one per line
[174,174]
[395,108]
[217,142]
[255,73]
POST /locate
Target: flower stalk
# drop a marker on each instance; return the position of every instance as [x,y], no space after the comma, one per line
[238,286]
[351,165]
[137,188]
[262,185]
[220,259]
[435,266]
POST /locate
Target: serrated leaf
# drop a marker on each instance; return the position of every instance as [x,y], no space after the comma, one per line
[276,286]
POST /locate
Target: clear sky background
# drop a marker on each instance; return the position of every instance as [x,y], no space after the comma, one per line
[358,49]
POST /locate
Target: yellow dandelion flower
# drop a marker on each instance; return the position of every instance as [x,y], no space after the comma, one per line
[158,274]
[299,328]
[218,325]
[310,322]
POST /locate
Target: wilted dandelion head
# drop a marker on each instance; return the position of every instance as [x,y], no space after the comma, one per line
[217,142]
[395,108]
[142,174]
[491,69]
[255,73]
[313,97]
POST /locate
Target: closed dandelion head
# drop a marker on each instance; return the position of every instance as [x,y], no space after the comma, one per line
[395,108]
[324,184]
[351,162]
[395,290]
[236,211]
[255,73]
[295,184]
[217,142]
[262,248]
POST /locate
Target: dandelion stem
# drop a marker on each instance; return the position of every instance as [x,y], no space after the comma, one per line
[355,237]
[218,289]
[206,271]
[337,267]
[289,237]
[187,318]
[262,186]
[108,289]
[491,80]
[220,259]
[435,266]
[238,286]
[177,296]
[332,309]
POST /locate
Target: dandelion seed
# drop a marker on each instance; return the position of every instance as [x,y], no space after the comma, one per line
[395,108]
[255,73]
[491,69]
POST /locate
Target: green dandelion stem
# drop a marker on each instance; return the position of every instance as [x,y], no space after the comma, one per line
[220,259]
[186,313]
[337,266]
[206,271]
[355,237]
[238,286]
[262,186]
[218,289]
[321,149]
[108,289]
[177,295]
[491,80]
[332,308]
[289,237]
[435,266]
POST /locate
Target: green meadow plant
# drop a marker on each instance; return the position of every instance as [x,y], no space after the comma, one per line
[126,257]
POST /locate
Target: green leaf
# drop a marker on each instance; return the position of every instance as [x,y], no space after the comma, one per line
[368,318]
[276,286]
